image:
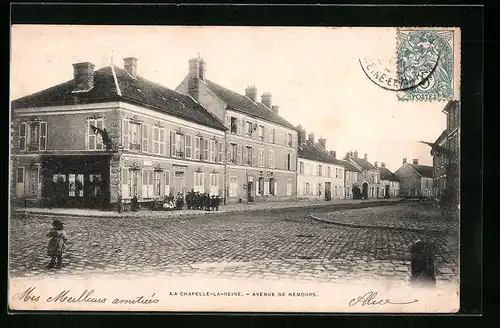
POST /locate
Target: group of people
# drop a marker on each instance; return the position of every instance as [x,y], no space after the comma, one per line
[199,201]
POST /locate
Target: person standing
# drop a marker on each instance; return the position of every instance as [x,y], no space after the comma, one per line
[57,244]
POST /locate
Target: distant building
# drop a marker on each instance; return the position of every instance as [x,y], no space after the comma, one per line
[389,182]
[261,146]
[415,180]
[352,180]
[320,174]
[369,177]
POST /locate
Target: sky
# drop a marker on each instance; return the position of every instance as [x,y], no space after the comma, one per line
[313,74]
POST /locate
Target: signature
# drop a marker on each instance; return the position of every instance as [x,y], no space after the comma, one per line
[370,298]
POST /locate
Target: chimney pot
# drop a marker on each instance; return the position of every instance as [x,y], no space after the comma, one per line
[322,142]
[356,154]
[193,78]
[130,65]
[275,109]
[404,160]
[415,161]
[83,75]
[333,153]
[311,137]
[251,92]
[203,70]
[366,157]
[382,164]
[266,100]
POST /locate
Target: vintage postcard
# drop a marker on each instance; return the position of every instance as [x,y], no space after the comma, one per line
[234,169]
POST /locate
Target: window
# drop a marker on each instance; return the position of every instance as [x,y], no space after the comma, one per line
[157,183]
[212,150]
[135,142]
[329,171]
[261,157]
[205,149]
[271,159]
[288,162]
[233,153]
[197,142]
[147,184]
[320,170]
[289,140]
[289,187]
[95,140]
[167,182]
[75,188]
[20,175]
[301,167]
[214,184]
[158,140]
[335,190]
[248,156]
[43,136]
[347,192]
[145,138]
[177,144]
[23,127]
[261,132]
[261,186]
[133,183]
[308,188]
[272,186]
[234,125]
[220,152]
[199,182]
[273,136]
[249,129]
[233,186]
[188,151]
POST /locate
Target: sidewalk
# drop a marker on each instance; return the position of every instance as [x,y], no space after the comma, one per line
[234,208]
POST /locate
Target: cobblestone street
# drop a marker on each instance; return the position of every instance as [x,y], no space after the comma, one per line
[288,244]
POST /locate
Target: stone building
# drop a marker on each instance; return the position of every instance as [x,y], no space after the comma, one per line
[439,164]
[389,182]
[352,179]
[320,173]
[155,141]
[415,179]
[368,178]
[261,146]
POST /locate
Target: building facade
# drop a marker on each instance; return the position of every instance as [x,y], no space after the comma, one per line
[320,174]
[415,180]
[153,141]
[261,146]
[452,111]
[368,178]
[389,182]
[439,165]
[352,180]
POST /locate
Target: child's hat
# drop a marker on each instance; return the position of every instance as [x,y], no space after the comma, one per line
[57,223]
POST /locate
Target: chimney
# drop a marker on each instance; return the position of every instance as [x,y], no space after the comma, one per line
[404,160]
[266,99]
[194,78]
[251,92]
[83,75]
[275,109]
[130,65]
[366,157]
[376,164]
[300,129]
[415,161]
[356,154]
[382,164]
[322,142]
[311,137]
[348,154]
[333,153]
[203,70]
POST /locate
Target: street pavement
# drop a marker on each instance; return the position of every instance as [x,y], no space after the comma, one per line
[262,245]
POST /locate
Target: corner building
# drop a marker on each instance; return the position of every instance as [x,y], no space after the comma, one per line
[162,142]
[261,146]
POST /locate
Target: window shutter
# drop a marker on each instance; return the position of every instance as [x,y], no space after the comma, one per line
[238,155]
[197,148]
[43,136]
[266,188]
[144,138]
[254,157]
[150,183]
[172,144]
[124,185]
[275,188]
[241,127]
[167,183]
[125,134]
[245,155]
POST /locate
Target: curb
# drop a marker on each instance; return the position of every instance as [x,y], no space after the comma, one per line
[352,225]
[333,207]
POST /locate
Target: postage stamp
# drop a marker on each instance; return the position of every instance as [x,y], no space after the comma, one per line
[425,61]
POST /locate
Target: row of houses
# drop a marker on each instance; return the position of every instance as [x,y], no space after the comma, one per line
[108,135]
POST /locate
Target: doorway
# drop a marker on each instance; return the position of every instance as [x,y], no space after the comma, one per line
[387,191]
[365,190]
[328,191]
[179,183]
[249,191]
[378,191]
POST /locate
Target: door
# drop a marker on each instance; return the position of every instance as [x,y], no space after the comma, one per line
[378,191]
[365,190]
[328,190]
[179,183]
[387,191]
[249,191]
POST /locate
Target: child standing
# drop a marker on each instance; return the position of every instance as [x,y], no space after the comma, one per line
[57,244]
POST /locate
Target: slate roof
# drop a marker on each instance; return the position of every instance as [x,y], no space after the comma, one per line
[243,104]
[364,164]
[315,152]
[350,167]
[138,91]
[424,170]
[386,174]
